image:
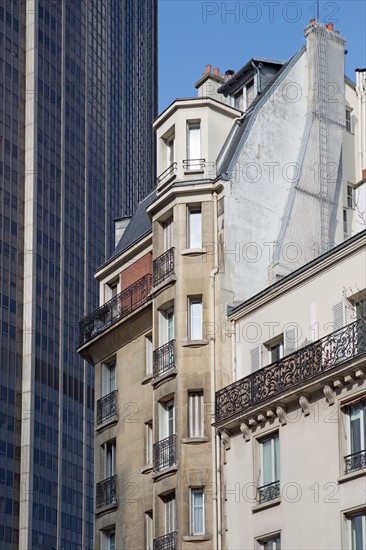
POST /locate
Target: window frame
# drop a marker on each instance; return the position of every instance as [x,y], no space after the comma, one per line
[191,147]
[349,516]
[106,385]
[170,519]
[194,231]
[196,421]
[149,530]
[351,198]
[106,465]
[105,535]
[275,538]
[149,354]
[192,528]
[149,442]
[345,222]
[195,321]
[349,120]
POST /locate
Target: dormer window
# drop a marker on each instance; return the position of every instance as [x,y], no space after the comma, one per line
[245,96]
[249,93]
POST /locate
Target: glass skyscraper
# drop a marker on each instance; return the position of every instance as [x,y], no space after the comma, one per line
[78,93]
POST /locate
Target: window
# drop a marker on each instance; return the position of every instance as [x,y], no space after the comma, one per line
[148,355]
[166,332]
[238,100]
[166,419]
[193,145]
[356,457]
[168,234]
[169,505]
[149,442]
[149,530]
[358,531]
[111,290]
[272,543]
[275,348]
[195,318]
[109,459]
[194,229]
[249,94]
[349,121]
[108,377]
[350,196]
[195,414]
[269,469]
[197,511]
[170,150]
[108,539]
[345,222]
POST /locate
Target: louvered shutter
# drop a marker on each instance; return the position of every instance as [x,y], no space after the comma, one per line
[290,340]
[338,315]
[256,358]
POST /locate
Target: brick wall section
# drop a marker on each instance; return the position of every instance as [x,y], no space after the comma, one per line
[135,271]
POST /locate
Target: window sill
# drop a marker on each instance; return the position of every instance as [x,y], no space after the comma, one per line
[107,423]
[147,379]
[193,343]
[166,472]
[168,281]
[196,538]
[193,251]
[147,469]
[351,475]
[195,440]
[194,171]
[264,505]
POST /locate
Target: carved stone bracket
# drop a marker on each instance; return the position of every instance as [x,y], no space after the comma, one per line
[305,405]
[245,431]
[329,394]
[281,413]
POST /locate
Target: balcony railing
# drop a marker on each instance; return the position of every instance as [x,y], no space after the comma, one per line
[115,309]
[163,266]
[166,542]
[194,164]
[303,365]
[107,407]
[164,453]
[268,492]
[163,359]
[355,461]
[106,492]
[167,173]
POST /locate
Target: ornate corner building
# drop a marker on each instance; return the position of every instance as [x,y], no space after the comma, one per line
[254,184]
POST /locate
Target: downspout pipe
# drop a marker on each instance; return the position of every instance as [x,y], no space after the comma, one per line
[259,87]
[216,493]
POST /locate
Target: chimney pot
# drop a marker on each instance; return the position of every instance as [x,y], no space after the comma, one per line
[330,26]
[312,21]
[208,68]
[216,71]
[222,76]
[229,73]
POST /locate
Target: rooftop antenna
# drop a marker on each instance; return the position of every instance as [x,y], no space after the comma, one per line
[317,9]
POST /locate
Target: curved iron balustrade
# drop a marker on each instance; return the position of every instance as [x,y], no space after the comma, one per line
[166,542]
[115,309]
[302,365]
[106,492]
[164,453]
[107,407]
[268,492]
[163,359]
[163,266]
[355,461]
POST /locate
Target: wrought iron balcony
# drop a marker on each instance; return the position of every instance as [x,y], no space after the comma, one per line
[268,492]
[164,453]
[107,407]
[106,492]
[355,461]
[290,371]
[194,164]
[163,266]
[166,542]
[170,171]
[163,359]
[115,309]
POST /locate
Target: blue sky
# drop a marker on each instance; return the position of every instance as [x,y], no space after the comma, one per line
[226,34]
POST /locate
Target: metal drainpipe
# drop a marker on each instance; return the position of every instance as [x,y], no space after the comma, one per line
[258,77]
[216,489]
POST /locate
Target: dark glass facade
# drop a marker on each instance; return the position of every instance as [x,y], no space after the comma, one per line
[78,93]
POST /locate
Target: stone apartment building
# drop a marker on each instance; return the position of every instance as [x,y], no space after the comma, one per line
[234,210]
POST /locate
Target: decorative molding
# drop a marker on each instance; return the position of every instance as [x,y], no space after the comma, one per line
[305,405]
[281,413]
[245,431]
[261,418]
[329,394]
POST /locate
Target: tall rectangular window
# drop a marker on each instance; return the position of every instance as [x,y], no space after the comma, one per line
[195,318]
[269,469]
[166,326]
[108,539]
[358,531]
[166,419]
[271,543]
[170,150]
[108,377]
[194,228]
[349,125]
[170,519]
[149,442]
[148,355]
[249,94]
[356,457]
[194,145]
[168,234]
[149,530]
[109,459]
[195,414]
[345,222]
[197,511]
[350,196]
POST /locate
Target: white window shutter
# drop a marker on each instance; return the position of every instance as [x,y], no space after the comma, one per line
[256,358]
[290,340]
[338,315]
